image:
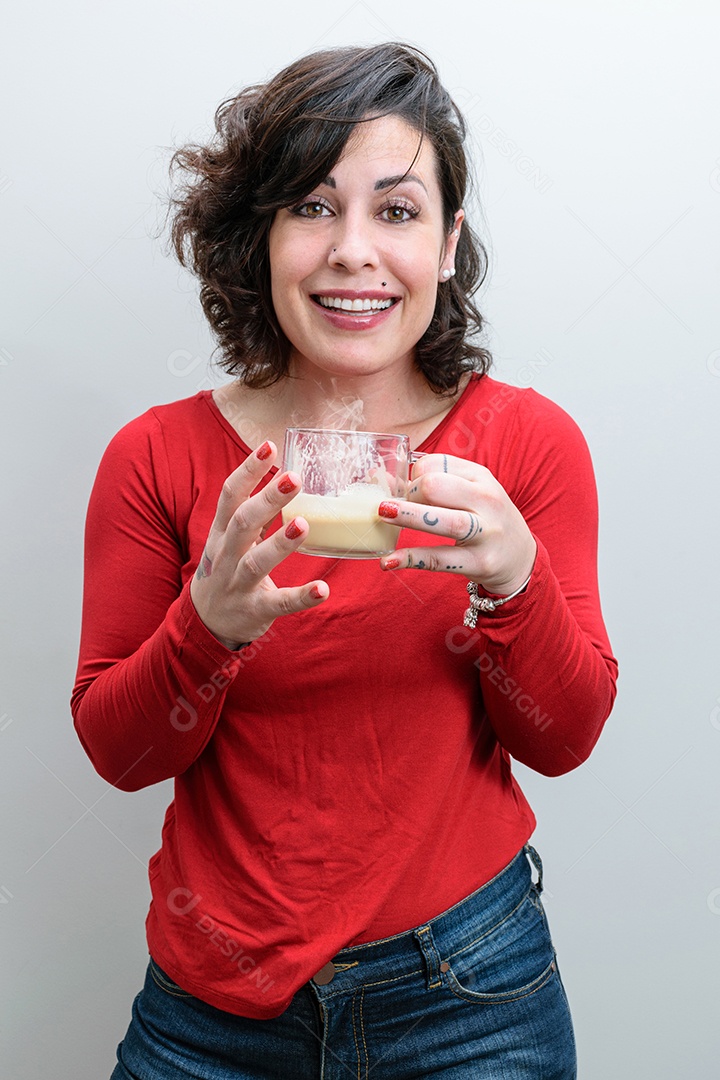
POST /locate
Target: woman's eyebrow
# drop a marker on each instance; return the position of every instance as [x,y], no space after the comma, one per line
[393,181]
[386,182]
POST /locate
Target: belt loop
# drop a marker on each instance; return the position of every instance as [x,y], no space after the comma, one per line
[537,863]
[425,940]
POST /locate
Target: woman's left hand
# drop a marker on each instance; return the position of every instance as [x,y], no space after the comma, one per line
[449,496]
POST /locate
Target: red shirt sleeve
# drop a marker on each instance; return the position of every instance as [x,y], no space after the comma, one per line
[144,651]
[547,671]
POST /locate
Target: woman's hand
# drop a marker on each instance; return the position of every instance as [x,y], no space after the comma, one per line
[231,590]
[452,497]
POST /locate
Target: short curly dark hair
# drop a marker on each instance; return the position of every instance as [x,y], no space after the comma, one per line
[273,144]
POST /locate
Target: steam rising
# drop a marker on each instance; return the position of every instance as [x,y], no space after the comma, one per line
[328,463]
[344,413]
[341,412]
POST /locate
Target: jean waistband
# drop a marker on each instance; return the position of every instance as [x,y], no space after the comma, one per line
[422,948]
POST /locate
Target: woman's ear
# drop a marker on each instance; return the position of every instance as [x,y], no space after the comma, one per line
[447,266]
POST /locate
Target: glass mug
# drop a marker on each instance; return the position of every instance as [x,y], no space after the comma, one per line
[345,476]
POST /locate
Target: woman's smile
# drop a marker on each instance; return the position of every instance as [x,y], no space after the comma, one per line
[348,309]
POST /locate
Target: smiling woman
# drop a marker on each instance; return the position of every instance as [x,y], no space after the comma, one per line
[345,877]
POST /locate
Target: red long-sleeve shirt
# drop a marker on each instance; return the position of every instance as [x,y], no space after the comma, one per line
[347,777]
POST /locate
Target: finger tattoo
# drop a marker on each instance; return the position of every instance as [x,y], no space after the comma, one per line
[428,520]
[204,567]
[474,529]
[445,464]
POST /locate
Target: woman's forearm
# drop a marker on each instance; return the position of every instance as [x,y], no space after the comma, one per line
[547,686]
[147,717]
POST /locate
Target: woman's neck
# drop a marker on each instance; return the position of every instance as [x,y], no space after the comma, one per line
[379,402]
[373,403]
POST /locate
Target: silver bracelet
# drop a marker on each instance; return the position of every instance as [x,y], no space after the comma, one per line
[484,603]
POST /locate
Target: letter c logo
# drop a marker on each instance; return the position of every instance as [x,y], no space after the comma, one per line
[182,901]
[183,717]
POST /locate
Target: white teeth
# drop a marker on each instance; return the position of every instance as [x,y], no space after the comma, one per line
[353,305]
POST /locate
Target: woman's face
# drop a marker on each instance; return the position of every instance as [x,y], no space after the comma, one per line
[363,239]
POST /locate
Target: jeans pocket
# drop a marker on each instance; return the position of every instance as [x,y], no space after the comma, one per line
[163,980]
[514,960]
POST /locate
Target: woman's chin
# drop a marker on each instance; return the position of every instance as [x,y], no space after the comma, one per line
[348,363]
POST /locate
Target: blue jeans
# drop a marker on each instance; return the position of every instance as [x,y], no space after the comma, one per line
[475,992]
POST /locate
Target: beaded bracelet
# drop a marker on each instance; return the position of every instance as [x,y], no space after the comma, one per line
[485,603]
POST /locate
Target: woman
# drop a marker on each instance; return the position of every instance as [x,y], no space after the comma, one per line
[343,882]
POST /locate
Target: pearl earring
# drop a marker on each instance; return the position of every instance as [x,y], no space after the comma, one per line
[455,233]
[448,273]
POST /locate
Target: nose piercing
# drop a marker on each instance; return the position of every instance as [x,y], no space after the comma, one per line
[383,282]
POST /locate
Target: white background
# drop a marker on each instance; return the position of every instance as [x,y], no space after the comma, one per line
[595,130]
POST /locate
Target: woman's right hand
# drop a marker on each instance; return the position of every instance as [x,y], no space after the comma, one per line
[231,589]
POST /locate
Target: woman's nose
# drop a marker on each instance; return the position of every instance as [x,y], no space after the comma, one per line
[353,245]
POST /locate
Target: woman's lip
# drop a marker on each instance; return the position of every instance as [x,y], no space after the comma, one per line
[347,320]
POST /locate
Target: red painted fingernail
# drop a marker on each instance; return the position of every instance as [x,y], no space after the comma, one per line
[315,593]
[388,509]
[292,532]
[264,451]
[391,564]
[286,485]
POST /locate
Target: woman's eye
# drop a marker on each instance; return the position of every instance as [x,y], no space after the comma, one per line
[398,214]
[311,209]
